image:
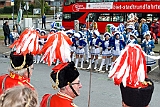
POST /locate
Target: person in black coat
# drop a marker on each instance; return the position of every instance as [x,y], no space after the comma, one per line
[6,31]
[44,21]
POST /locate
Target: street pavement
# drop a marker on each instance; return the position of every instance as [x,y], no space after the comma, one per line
[103,92]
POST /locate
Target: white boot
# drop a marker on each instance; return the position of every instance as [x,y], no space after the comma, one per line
[76,64]
[38,59]
[90,62]
[35,59]
[82,63]
[102,63]
[95,66]
[107,63]
[72,58]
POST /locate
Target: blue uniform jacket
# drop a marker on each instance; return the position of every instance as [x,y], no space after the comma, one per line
[97,42]
[148,47]
[112,43]
[103,45]
[81,43]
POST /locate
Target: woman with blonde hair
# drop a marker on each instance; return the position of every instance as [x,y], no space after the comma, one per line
[19,96]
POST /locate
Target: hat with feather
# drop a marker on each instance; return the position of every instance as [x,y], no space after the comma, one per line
[130,72]
[27,42]
[19,61]
[64,74]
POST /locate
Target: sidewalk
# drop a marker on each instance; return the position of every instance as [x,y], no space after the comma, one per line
[4,50]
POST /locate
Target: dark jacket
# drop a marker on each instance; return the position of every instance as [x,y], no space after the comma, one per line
[43,18]
[6,29]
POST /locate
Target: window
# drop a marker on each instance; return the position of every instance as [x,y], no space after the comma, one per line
[110,0]
[96,1]
[72,16]
[118,17]
[69,2]
[104,17]
[91,17]
[82,0]
[66,16]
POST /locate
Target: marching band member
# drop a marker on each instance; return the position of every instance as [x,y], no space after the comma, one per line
[86,50]
[133,39]
[130,29]
[130,73]
[147,43]
[41,43]
[70,34]
[66,78]
[79,44]
[117,44]
[95,48]
[19,73]
[106,52]
[52,30]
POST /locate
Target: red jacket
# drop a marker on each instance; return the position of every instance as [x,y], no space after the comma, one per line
[11,80]
[57,100]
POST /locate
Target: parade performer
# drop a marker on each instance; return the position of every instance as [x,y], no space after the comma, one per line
[52,30]
[148,45]
[57,47]
[117,45]
[70,34]
[54,25]
[130,30]
[130,72]
[79,44]
[143,27]
[95,48]
[21,60]
[19,73]
[106,52]
[85,37]
[41,43]
[133,39]
[66,78]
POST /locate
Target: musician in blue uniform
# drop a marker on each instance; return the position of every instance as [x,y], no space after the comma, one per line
[95,48]
[106,52]
[117,45]
[79,44]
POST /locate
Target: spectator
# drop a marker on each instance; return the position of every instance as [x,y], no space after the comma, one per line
[6,31]
[14,35]
[66,77]
[19,96]
[155,28]
[143,27]
[136,24]
[149,24]
[19,73]
[44,21]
